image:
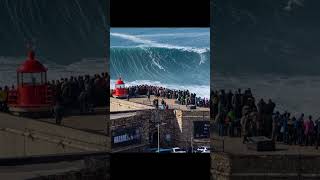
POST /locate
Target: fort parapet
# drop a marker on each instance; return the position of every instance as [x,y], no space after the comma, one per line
[286,162]
[177,127]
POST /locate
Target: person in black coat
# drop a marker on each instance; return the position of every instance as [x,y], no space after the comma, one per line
[58,111]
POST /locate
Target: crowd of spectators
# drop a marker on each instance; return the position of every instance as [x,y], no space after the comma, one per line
[183,97]
[81,93]
[238,113]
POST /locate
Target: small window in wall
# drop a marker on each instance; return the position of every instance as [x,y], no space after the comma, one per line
[201,129]
[168,137]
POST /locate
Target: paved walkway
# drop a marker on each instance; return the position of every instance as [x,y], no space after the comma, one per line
[123,105]
[81,133]
[36,170]
[90,123]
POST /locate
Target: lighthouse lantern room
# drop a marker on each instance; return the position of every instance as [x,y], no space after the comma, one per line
[32,93]
[120,91]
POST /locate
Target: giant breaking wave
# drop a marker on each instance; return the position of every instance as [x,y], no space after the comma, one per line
[169,65]
[62,31]
[263,36]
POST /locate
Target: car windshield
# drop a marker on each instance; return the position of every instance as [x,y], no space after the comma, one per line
[165,151]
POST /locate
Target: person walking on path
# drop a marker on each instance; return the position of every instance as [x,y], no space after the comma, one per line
[58,112]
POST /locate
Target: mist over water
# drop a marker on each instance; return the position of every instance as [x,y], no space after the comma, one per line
[68,36]
[271,47]
[91,66]
[294,94]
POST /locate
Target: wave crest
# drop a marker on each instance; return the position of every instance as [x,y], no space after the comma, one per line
[160,64]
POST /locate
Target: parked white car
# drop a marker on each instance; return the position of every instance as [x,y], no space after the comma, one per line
[206,151]
[203,149]
[178,150]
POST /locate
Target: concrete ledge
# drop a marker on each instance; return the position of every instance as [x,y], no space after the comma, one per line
[118,105]
[239,167]
[49,158]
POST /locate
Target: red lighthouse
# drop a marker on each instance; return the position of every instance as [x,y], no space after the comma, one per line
[120,91]
[32,94]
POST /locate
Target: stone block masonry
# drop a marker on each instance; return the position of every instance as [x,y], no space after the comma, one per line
[176,129]
[226,166]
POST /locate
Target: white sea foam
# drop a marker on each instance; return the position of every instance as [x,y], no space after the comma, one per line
[154,61]
[197,34]
[149,43]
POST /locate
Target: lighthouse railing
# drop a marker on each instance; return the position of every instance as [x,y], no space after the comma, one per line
[49,95]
